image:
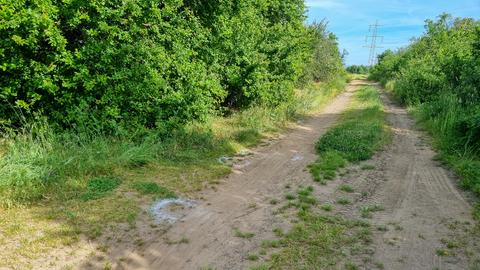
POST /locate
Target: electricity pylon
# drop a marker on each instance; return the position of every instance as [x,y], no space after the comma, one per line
[373,29]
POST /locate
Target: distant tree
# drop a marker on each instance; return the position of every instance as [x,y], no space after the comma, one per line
[358,69]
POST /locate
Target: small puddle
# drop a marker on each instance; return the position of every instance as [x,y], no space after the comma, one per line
[170,210]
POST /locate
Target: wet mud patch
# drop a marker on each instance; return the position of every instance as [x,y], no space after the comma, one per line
[170,210]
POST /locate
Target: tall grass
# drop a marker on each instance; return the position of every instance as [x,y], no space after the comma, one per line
[39,164]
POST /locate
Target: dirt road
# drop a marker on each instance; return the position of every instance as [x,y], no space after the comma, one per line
[427,217]
[426,221]
[424,224]
[242,204]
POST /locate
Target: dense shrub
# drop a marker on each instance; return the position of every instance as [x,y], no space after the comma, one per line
[116,66]
[326,62]
[439,75]
[357,69]
[105,64]
[88,86]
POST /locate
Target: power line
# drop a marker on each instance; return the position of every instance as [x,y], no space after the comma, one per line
[373,45]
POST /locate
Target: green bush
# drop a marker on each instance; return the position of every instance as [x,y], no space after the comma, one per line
[105,64]
[91,86]
[117,66]
[357,69]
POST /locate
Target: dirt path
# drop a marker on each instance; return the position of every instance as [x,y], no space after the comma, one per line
[422,199]
[425,222]
[242,202]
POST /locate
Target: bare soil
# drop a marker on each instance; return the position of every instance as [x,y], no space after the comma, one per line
[426,222]
[241,203]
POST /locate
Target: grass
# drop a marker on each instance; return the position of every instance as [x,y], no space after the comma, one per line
[359,134]
[305,196]
[366,211]
[319,241]
[315,242]
[347,188]
[455,130]
[289,196]
[245,235]
[327,207]
[344,201]
[152,188]
[55,184]
[273,201]
[100,187]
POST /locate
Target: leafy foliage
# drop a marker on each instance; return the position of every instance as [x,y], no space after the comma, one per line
[326,62]
[439,75]
[358,69]
[117,66]
[90,86]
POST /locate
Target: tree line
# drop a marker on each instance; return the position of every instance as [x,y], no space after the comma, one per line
[116,66]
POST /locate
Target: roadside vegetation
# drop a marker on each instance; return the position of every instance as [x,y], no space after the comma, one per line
[100,170]
[94,86]
[438,76]
[106,105]
[319,238]
[360,133]
[358,69]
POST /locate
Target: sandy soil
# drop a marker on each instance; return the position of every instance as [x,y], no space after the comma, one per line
[426,222]
[242,202]
[423,209]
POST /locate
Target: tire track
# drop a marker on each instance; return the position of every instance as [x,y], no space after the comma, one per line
[241,202]
[421,203]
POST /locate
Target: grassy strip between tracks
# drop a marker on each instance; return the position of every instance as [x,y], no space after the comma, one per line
[319,240]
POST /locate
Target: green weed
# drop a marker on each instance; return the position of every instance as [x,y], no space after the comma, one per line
[273,201]
[327,207]
[252,257]
[315,242]
[346,188]
[100,187]
[344,201]
[366,211]
[240,234]
[327,165]
[290,196]
[271,243]
[152,188]
[359,134]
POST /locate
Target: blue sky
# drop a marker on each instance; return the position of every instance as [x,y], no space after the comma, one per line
[401,20]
